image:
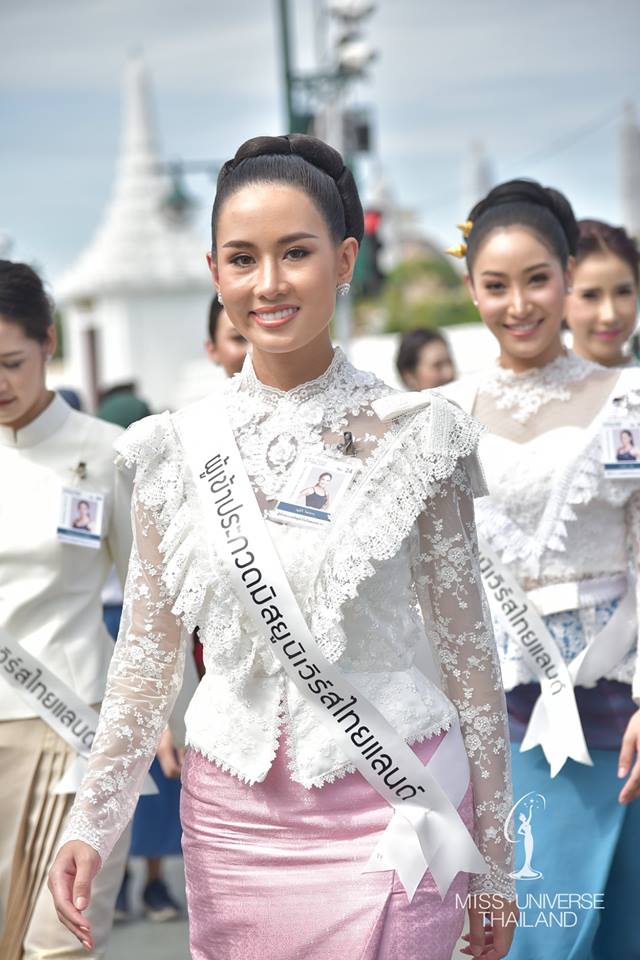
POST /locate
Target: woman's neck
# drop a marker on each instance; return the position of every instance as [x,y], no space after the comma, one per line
[34,411]
[288,370]
[523,364]
[619,360]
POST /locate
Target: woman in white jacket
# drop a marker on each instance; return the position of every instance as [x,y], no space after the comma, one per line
[54,463]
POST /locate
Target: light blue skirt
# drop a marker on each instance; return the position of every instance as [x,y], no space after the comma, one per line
[585,846]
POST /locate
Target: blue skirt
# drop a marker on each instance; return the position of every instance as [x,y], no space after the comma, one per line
[585,847]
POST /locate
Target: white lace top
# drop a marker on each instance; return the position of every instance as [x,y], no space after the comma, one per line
[552,514]
[401,584]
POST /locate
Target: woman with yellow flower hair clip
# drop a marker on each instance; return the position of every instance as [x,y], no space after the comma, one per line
[554,539]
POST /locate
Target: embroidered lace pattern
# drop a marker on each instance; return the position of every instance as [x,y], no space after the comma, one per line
[551,502]
[395,573]
[523,394]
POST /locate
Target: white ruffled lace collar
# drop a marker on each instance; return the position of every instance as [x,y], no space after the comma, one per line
[523,394]
[274,427]
[338,370]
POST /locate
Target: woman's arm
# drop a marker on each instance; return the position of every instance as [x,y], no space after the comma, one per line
[144,679]
[457,619]
[629,760]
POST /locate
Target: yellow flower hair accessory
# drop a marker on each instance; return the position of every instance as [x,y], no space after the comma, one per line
[459,250]
[466,228]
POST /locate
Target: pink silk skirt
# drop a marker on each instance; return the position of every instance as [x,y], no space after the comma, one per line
[273,871]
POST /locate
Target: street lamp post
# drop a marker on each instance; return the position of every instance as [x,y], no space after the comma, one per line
[316,102]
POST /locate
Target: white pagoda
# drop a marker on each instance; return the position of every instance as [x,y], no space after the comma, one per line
[135,302]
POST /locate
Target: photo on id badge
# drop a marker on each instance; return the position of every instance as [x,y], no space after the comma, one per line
[317,486]
[621,449]
[81,518]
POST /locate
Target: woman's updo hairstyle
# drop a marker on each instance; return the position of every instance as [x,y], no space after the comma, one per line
[298,161]
[543,210]
[24,301]
[598,237]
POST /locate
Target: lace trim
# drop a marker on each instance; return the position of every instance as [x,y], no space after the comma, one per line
[311,388]
[523,394]
[202,595]
[274,427]
[341,771]
[396,497]
[495,883]
[581,481]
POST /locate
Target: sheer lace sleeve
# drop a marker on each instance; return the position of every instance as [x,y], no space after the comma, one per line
[456,614]
[144,679]
[633,534]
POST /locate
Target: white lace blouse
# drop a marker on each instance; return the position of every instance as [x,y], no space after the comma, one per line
[398,584]
[553,515]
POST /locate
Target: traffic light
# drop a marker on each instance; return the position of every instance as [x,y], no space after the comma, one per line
[368,276]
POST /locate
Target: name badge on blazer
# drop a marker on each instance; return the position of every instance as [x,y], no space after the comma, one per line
[81,518]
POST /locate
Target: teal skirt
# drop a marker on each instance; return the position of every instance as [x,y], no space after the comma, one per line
[578,861]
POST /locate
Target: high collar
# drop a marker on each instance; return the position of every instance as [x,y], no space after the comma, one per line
[523,394]
[47,423]
[566,368]
[332,376]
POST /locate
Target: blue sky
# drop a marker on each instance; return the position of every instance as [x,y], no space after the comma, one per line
[519,75]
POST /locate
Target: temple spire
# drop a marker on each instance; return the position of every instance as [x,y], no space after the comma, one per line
[137,245]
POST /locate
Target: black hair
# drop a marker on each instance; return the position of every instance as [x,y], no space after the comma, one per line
[23,300]
[545,211]
[299,161]
[86,503]
[411,344]
[215,309]
[325,474]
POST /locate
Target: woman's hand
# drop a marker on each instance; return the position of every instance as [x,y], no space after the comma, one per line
[490,930]
[70,880]
[169,758]
[630,749]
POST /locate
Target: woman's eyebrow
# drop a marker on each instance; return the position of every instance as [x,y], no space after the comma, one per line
[290,238]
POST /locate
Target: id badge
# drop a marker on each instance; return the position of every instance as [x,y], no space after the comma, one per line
[81,518]
[317,487]
[620,448]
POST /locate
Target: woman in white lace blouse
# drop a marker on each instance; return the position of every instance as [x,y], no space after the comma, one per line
[557,535]
[278,828]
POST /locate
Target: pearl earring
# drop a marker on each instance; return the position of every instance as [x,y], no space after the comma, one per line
[569,289]
[343,289]
[220,300]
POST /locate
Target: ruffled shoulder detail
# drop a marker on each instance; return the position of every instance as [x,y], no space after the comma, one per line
[436,442]
[581,481]
[193,584]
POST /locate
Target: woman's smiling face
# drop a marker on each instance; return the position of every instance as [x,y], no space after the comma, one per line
[277,266]
[519,287]
[601,311]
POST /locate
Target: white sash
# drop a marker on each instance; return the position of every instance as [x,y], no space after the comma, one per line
[426,831]
[56,703]
[555,722]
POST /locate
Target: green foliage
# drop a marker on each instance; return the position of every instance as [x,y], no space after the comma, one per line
[436,268]
[422,292]
[57,322]
[437,313]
